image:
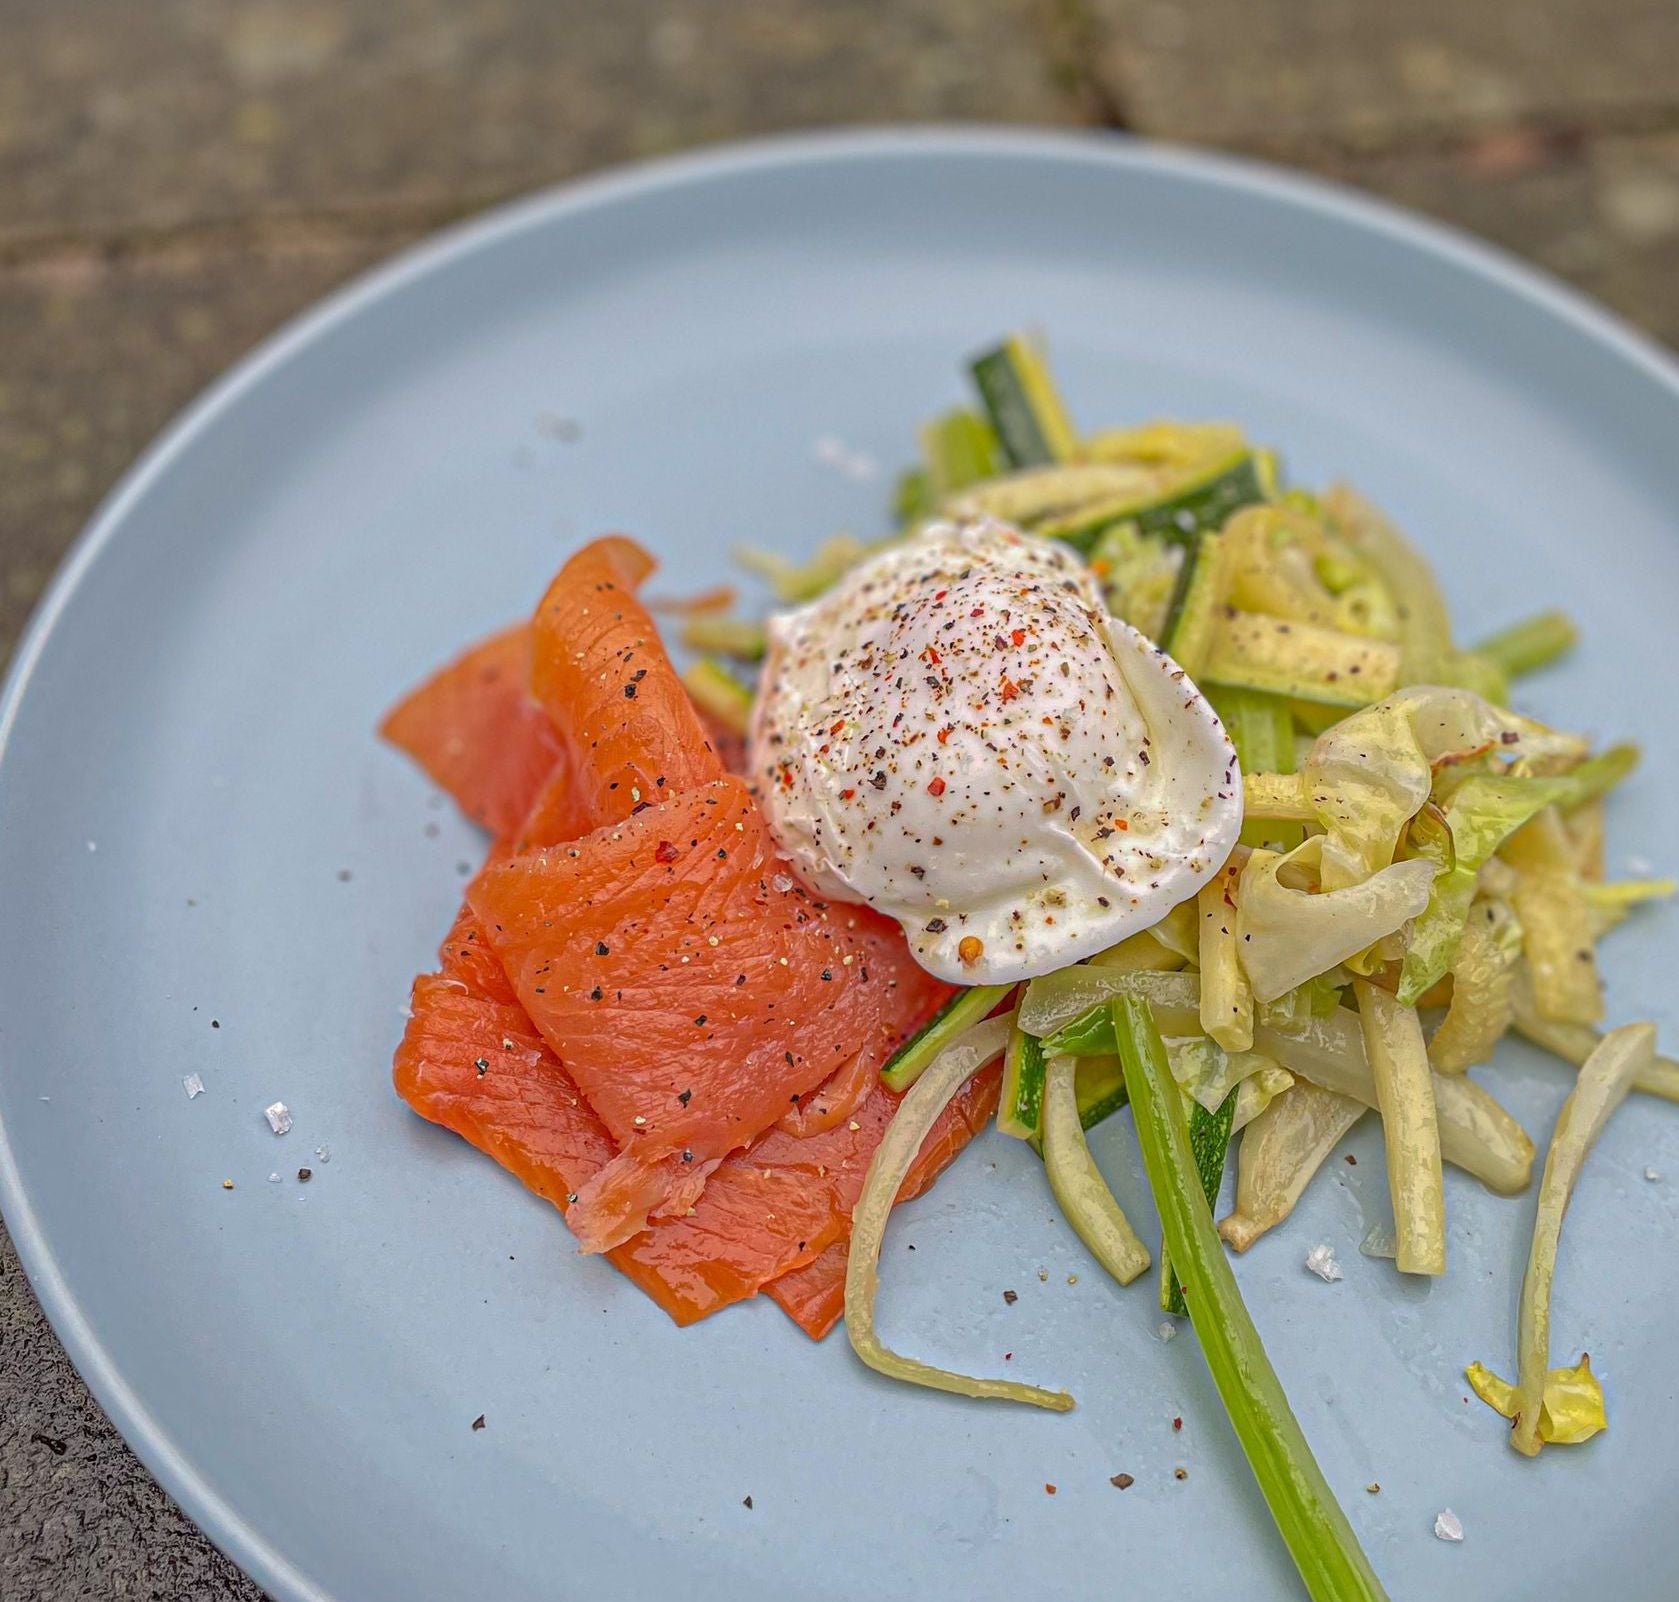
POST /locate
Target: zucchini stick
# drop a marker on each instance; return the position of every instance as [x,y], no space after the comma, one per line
[1209,1144]
[1533,643]
[1398,1057]
[1310,1521]
[964,1008]
[714,689]
[1576,1042]
[1077,1182]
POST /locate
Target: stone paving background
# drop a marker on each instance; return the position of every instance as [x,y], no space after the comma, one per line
[177,177]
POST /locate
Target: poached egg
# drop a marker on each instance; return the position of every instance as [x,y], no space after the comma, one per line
[960,736]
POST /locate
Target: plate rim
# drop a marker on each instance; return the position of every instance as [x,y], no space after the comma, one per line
[215,1515]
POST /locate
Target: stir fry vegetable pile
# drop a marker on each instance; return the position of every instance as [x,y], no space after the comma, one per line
[1421,871]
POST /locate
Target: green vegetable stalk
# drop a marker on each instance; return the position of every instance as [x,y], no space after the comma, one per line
[1319,1538]
[1534,643]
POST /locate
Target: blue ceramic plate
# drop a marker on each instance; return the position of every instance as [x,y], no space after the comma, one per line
[198,828]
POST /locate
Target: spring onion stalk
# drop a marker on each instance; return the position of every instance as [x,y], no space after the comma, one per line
[1576,1042]
[714,689]
[1280,1152]
[893,1158]
[1533,643]
[966,1007]
[1319,1538]
[1079,1188]
[1606,1077]
[1209,1145]
[1398,1058]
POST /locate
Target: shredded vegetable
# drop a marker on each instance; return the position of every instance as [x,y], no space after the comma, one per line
[915,1117]
[1393,1043]
[1280,1152]
[1077,1183]
[964,1008]
[1604,1081]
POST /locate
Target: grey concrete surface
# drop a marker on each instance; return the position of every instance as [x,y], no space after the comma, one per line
[179,176]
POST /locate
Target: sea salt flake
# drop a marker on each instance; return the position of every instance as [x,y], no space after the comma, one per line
[1166,1329]
[1640,867]
[1447,1526]
[273,1179]
[323,1154]
[192,1085]
[1652,1174]
[279,1117]
[781,883]
[1321,1261]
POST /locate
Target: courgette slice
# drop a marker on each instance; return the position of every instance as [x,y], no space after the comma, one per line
[1023,404]
[1021,1106]
[959,449]
[1301,661]
[1191,617]
[1178,505]
[715,690]
[962,1011]
[1099,1085]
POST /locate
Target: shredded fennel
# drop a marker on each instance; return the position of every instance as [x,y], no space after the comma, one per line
[915,1117]
[1077,1182]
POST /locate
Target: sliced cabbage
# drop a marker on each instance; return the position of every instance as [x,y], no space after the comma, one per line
[1606,1077]
[1288,934]
[1206,1072]
[1571,1409]
[1280,1152]
[1483,976]
[1255,1093]
[1371,773]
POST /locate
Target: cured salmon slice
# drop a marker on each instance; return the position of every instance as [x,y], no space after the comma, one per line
[601,672]
[693,988]
[471,1061]
[478,733]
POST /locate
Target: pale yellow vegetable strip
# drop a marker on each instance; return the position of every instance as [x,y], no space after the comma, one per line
[1425,625]
[916,1115]
[1604,1081]
[1280,1152]
[1398,1057]
[1300,659]
[1256,1092]
[1226,995]
[1557,936]
[1061,997]
[1281,797]
[1178,931]
[1483,974]
[1576,1042]
[1077,1182]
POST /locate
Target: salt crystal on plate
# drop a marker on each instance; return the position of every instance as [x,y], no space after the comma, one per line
[193,1086]
[278,1116]
[1447,1526]
[273,1179]
[1166,1330]
[93,845]
[1379,1241]
[323,1154]
[1321,1261]
[1652,1174]
[1642,866]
